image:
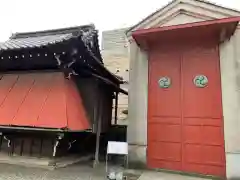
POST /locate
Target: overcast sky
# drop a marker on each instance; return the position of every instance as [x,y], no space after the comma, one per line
[33,15]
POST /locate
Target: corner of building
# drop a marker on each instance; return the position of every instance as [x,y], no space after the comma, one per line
[230,79]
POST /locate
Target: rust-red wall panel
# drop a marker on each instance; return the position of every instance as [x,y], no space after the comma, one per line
[76,113]
[6,84]
[15,98]
[46,100]
[31,108]
[54,109]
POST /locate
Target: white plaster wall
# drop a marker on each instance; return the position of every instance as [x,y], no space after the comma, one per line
[180,13]
[200,9]
[233,165]
[138,93]
[182,19]
[230,77]
[138,96]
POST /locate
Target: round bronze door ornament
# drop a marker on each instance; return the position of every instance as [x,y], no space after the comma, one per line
[164,82]
[200,81]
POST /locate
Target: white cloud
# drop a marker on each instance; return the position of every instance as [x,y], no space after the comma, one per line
[29,15]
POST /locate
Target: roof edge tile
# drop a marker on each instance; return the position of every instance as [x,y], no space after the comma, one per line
[52,31]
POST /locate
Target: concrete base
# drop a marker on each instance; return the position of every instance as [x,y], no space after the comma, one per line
[137,156]
[233,165]
[45,163]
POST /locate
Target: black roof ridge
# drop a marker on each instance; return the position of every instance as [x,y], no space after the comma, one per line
[52,31]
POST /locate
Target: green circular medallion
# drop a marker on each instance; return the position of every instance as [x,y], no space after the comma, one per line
[164,82]
[200,81]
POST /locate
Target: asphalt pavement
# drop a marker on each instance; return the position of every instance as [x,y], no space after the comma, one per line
[80,172]
[74,172]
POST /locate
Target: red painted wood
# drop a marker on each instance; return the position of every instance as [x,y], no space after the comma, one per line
[164,111]
[28,113]
[170,33]
[46,100]
[76,115]
[55,104]
[203,138]
[185,123]
[14,97]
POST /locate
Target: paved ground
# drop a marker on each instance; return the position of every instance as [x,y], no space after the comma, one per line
[77,172]
[165,176]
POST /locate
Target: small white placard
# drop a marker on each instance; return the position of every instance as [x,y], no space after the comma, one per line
[115,147]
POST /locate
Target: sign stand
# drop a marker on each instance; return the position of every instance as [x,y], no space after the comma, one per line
[116,148]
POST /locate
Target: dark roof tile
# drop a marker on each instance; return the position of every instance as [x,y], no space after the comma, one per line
[44,38]
[31,42]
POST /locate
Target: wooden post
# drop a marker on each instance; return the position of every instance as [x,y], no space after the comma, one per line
[41,145]
[1,142]
[116,109]
[12,147]
[58,139]
[21,150]
[31,145]
[98,133]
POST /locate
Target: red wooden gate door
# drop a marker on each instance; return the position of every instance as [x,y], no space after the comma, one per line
[164,110]
[185,128]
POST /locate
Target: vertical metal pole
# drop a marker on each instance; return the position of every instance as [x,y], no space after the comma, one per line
[116,109]
[98,133]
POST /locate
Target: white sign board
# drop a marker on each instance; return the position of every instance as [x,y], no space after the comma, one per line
[115,147]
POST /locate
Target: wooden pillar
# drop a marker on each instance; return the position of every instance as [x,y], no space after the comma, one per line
[116,109]
[1,142]
[98,131]
[56,144]
[31,146]
[22,145]
[40,150]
